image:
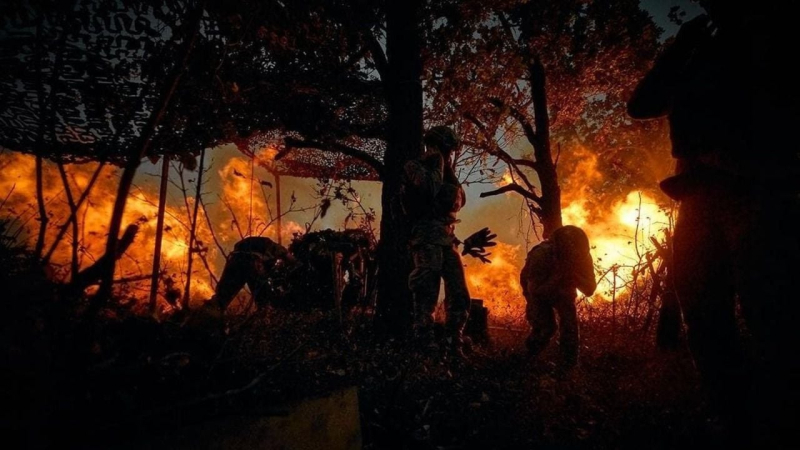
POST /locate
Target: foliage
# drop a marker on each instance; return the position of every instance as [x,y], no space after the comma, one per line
[592,54]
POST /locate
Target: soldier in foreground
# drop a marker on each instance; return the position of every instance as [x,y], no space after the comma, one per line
[553,271]
[432,197]
[730,99]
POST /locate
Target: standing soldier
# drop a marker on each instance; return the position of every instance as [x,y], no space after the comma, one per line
[553,270]
[432,197]
[731,100]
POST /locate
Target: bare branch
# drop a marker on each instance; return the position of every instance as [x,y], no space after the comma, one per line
[497,151]
[520,117]
[63,228]
[513,187]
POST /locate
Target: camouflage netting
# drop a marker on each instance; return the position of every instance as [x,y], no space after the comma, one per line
[82,79]
[307,162]
[77,83]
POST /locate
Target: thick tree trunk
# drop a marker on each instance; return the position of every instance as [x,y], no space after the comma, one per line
[193,232]
[134,160]
[162,206]
[404,97]
[545,166]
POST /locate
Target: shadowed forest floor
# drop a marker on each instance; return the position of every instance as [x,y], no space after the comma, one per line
[129,380]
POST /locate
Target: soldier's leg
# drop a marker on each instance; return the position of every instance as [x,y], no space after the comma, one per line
[569,339]
[456,292]
[424,283]
[258,280]
[763,231]
[668,332]
[234,276]
[704,285]
[540,316]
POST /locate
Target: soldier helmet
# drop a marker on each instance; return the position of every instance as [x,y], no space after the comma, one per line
[442,137]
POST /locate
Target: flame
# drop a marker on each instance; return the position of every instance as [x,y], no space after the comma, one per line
[618,232]
[237,189]
[266,157]
[497,284]
[620,238]
[619,241]
[508,178]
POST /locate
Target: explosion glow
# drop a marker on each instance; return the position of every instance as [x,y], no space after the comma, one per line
[229,213]
[619,234]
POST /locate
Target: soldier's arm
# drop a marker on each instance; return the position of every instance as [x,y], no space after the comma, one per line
[654,94]
[585,279]
[426,173]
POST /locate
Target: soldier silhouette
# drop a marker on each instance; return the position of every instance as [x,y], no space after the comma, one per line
[553,271]
[730,100]
[432,197]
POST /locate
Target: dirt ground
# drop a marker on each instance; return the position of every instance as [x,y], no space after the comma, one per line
[131,380]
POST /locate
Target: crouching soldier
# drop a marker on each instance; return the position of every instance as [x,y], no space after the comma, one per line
[553,270]
[251,263]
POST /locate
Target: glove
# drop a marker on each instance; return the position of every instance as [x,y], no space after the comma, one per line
[476,244]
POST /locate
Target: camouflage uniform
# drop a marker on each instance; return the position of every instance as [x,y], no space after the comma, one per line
[250,263]
[434,245]
[549,280]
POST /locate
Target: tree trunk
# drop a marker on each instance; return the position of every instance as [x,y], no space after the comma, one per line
[126,180]
[545,166]
[162,206]
[193,232]
[73,209]
[278,207]
[94,273]
[43,219]
[404,98]
[73,215]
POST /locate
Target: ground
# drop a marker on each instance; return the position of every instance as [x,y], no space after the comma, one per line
[130,380]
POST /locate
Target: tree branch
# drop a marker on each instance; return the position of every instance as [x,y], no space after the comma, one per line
[497,151]
[513,187]
[519,116]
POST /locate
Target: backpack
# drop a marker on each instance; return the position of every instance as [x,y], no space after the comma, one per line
[538,265]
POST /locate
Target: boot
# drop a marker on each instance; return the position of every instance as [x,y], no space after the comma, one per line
[423,337]
[454,332]
[457,348]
